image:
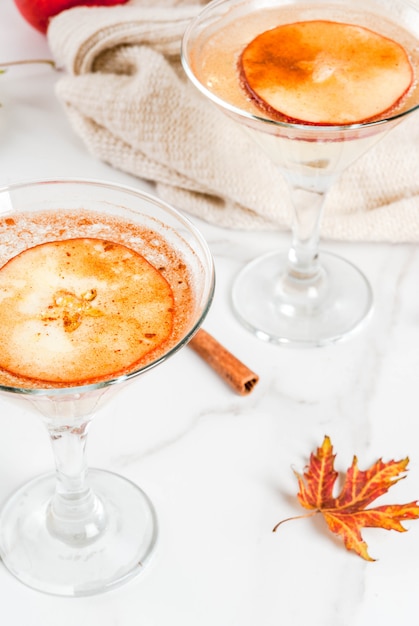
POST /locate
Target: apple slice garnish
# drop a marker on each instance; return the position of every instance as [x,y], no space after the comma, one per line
[323,72]
[81,310]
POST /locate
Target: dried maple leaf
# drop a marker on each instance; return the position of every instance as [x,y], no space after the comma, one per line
[346,514]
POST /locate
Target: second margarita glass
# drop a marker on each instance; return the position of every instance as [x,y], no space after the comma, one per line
[302,296]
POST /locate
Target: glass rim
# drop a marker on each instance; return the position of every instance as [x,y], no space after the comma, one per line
[94,386]
[252,117]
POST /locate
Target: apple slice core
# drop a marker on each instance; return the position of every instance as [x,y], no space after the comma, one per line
[80,310]
[325,73]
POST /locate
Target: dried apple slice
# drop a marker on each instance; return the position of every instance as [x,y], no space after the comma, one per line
[80,310]
[323,72]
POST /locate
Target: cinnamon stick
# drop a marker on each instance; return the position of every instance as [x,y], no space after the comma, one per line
[233,371]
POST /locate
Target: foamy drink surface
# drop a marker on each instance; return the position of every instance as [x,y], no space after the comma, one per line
[78,310]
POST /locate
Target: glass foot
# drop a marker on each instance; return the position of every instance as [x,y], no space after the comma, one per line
[50,565]
[305,313]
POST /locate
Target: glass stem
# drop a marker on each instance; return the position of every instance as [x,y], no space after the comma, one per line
[75,514]
[303,256]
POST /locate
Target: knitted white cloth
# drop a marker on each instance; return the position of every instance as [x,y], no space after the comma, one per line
[128,99]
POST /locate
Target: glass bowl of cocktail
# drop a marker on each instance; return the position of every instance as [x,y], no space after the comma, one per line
[315,84]
[99,283]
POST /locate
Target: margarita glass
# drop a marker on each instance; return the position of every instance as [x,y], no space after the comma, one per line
[302,296]
[80,532]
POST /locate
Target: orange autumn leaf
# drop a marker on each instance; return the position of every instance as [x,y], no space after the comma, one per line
[346,514]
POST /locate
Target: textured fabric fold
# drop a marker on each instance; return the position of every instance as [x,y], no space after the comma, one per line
[127,98]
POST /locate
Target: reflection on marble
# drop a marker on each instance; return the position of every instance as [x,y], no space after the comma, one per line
[219,467]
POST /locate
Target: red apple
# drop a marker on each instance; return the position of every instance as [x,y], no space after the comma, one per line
[38,12]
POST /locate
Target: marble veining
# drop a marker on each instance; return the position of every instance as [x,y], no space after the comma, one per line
[218,467]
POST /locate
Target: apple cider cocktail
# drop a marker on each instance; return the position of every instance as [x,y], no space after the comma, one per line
[309,65]
[76,310]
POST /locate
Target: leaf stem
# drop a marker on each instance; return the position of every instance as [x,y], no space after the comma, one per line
[289,519]
[25,62]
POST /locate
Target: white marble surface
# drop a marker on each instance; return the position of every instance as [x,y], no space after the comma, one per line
[218,467]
